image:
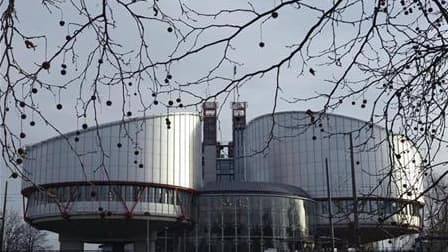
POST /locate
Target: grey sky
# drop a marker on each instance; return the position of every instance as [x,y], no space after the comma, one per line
[289,28]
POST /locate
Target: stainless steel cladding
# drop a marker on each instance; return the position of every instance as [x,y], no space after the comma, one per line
[148,165]
[293,151]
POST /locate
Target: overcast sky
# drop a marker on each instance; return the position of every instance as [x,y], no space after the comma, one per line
[276,34]
[287,29]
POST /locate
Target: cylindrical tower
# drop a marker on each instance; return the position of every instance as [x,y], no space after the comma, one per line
[115,182]
[387,184]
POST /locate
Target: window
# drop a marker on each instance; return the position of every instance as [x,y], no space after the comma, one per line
[159,195]
[151,194]
[373,206]
[324,207]
[363,206]
[110,193]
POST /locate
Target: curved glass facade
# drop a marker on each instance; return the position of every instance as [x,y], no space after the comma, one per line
[254,222]
[379,207]
[110,199]
[388,180]
[130,167]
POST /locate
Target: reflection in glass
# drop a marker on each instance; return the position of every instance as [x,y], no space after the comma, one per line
[254,223]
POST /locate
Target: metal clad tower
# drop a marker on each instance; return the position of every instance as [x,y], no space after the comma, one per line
[238,126]
[209,118]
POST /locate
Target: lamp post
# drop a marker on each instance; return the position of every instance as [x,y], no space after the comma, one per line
[355,198]
[147,235]
[2,228]
[330,212]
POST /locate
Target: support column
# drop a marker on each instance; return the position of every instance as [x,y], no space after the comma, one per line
[70,244]
[146,245]
[118,247]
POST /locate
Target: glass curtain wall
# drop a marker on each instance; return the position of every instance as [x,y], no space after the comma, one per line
[254,223]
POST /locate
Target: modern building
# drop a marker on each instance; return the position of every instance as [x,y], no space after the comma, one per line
[254,216]
[158,184]
[120,183]
[384,183]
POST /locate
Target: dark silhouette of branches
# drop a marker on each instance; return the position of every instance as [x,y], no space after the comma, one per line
[386,58]
[437,207]
[20,236]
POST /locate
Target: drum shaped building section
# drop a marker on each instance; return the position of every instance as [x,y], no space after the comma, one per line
[108,184]
[385,182]
[161,185]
